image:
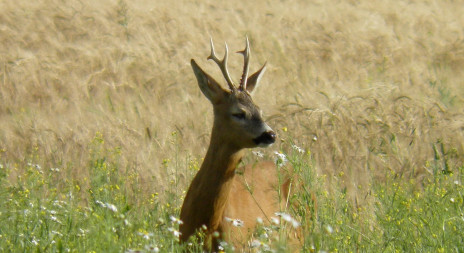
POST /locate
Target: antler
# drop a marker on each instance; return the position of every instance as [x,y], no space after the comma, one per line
[246,59]
[222,65]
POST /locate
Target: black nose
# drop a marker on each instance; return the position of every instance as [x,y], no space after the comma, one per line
[266,138]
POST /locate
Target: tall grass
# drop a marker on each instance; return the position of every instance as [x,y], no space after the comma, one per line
[104,212]
[103,125]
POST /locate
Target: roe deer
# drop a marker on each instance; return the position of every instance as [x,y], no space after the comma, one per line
[218,193]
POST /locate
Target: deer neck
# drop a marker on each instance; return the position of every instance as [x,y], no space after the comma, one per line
[209,192]
[217,173]
[221,159]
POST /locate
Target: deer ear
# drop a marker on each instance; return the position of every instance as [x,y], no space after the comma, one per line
[210,88]
[253,80]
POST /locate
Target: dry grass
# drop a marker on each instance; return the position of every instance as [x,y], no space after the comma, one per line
[378,83]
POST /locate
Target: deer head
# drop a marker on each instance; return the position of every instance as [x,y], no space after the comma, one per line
[237,120]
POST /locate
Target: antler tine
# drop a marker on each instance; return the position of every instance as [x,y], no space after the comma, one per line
[246,58]
[222,64]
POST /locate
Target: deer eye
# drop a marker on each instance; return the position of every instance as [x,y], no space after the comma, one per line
[239,115]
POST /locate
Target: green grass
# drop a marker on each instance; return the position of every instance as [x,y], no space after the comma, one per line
[45,210]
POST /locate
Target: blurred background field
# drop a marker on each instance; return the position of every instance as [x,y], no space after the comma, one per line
[372,90]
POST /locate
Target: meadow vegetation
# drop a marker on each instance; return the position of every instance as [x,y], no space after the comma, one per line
[102,124]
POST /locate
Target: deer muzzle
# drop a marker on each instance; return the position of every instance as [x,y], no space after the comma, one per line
[265,139]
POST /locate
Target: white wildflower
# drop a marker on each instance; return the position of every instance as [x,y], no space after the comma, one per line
[55,169]
[452,200]
[285,216]
[133,251]
[288,218]
[145,235]
[281,159]
[255,243]
[35,241]
[57,233]
[55,219]
[100,203]
[456,182]
[267,248]
[258,153]
[151,248]
[175,220]
[315,138]
[295,223]
[222,245]
[237,223]
[111,207]
[266,234]
[59,203]
[329,229]
[259,220]
[174,232]
[35,166]
[275,220]
[82,232]
[300,150]
[107,205]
